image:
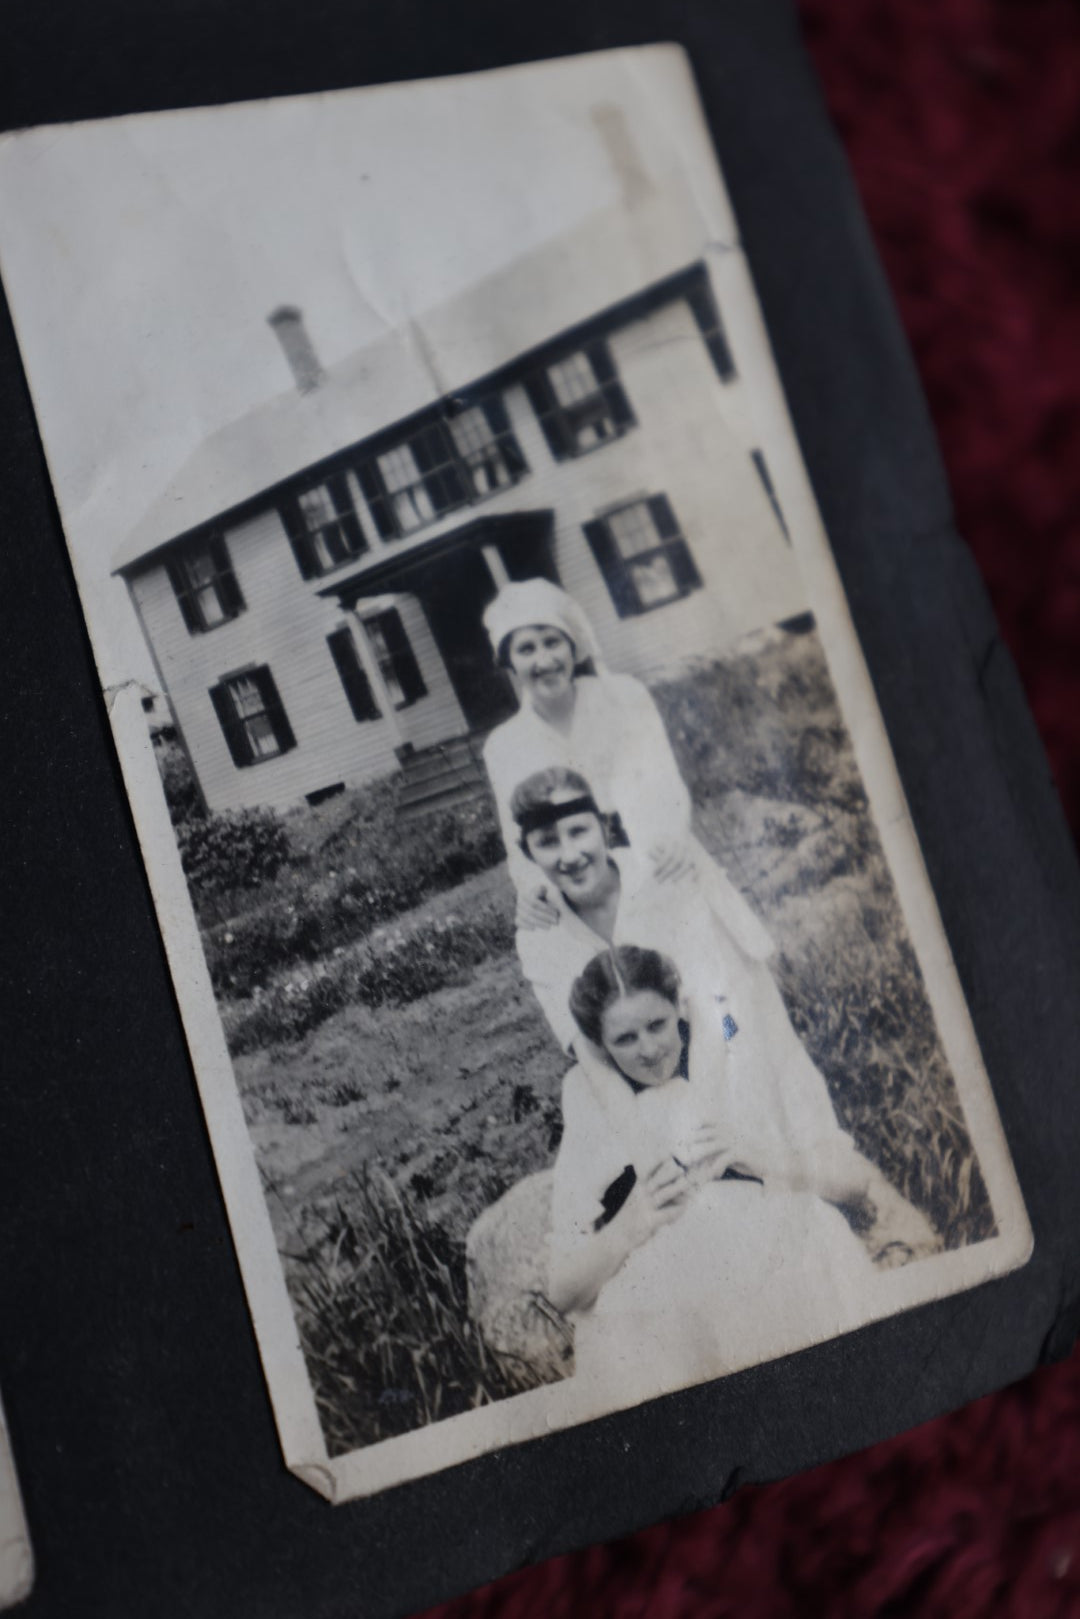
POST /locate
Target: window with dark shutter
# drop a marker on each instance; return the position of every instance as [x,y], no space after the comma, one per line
[299,538]
[225,579]
[252,716]
[542,398]
[599,355]
[703,305]
[396,659]
[188,610]
[204,583]
[462,456]
[489,453]
[579,400]
[610,564]
[235,735]
[643,556]
[353,675]
[494,408]
[323,526]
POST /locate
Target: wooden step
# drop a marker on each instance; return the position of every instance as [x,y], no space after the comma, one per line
[433,762]
[442,799]
[446,773]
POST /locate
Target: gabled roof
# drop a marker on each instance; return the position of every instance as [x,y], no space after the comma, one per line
[611,256]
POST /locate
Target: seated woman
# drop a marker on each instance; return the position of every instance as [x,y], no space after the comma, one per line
[688,1238]
[577,714]
[608,896]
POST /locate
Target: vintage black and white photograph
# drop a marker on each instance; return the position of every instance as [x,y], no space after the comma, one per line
[564,986]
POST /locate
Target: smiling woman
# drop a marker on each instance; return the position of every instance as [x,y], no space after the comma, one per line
[692,1211]
[577,715]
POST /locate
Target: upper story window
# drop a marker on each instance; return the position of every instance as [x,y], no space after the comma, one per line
[580,401]
[206,588]
[252,716]
[440,467]
[414,482]
[643,556]
[487,447]
[323,525]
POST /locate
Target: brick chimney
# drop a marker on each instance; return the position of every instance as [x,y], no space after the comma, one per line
[291,333]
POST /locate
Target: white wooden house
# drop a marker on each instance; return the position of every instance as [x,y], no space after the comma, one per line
[311,586]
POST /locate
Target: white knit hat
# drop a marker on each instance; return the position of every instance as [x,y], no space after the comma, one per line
[537,601]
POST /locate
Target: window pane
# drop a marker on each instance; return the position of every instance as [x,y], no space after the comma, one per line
[471,431]
[320,544]
[385,660]
[633,529]
[264,744]
[654,581]
[200,569]
[210,608]
[246,696]
[572,379]
[399,468]
[413,507]
[317,507]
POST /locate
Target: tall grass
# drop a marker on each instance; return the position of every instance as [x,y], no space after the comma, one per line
[382,1308]
[872,1034]
[847,972]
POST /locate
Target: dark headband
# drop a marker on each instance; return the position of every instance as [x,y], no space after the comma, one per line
[538,816]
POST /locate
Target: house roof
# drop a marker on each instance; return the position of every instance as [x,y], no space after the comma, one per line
[612,255]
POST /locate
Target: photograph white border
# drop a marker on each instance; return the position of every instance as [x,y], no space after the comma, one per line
[657,72]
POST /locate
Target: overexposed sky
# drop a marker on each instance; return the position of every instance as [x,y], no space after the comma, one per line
[141,255]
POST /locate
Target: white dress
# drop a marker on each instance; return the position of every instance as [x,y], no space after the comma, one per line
[749,1269]
[616,740]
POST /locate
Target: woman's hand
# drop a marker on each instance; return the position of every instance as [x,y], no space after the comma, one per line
[536,909]
[708,1155]
[657,1200]
[581,1271]
[671,861]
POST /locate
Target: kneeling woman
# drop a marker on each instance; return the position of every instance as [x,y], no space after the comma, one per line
[689,1238]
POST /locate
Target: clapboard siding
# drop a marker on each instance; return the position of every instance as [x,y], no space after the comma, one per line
[692,442]
[285,626]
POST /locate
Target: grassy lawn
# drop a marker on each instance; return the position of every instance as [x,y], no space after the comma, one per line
[397,1110]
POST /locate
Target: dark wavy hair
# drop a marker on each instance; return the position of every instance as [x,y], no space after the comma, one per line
[625,969]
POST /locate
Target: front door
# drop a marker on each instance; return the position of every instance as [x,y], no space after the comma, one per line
[454,590]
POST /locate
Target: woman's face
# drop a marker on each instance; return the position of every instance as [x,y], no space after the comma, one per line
[641,1036]
[542,657]
[573,853]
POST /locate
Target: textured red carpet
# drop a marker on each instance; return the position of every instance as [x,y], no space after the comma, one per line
[962,122]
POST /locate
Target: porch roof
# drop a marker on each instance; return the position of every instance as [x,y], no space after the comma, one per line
[390,571]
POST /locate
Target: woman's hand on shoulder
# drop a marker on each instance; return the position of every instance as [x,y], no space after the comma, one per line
[672,861]
[536,909]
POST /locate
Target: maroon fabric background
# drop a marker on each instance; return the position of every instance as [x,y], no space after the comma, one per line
[961,119]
